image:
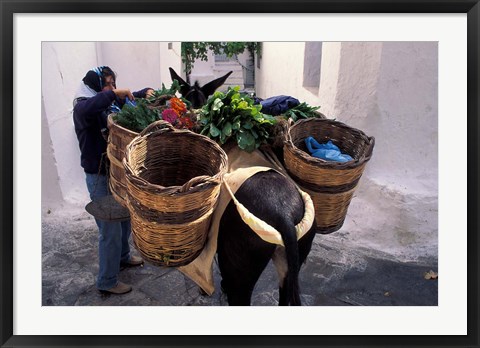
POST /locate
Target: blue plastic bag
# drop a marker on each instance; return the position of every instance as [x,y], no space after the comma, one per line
[113,108]
[116,108]
[130,102]
[327,151]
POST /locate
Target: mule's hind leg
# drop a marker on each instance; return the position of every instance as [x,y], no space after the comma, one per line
[238,284]
[242,257]
[280,261]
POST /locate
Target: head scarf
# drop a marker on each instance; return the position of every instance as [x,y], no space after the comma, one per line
[93,82]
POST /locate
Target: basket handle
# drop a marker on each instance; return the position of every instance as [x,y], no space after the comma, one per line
[288,136]
[195,181]
[157,125]
[370,147]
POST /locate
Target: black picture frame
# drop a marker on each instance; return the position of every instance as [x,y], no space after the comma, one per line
[9,8]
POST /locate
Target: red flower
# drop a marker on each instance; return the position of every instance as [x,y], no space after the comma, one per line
[169,115]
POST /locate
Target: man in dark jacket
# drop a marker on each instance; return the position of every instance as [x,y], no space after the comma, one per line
[96,96]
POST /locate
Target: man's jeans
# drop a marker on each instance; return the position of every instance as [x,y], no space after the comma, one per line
[113,247]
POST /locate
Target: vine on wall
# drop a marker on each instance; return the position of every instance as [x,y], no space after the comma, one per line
[199,50]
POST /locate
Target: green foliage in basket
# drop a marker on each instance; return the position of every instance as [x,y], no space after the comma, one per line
[137,118]
[233,115]
[148,110]
[174,88]
[302,110]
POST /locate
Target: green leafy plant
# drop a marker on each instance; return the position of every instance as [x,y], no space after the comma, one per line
[303,110]
[174,88]
[234,115]
[137,118]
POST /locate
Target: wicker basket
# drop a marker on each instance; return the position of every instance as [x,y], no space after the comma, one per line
[118,139]
[173,183]
[330,184]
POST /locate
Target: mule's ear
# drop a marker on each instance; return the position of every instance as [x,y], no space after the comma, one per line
[184,87]
[210,87]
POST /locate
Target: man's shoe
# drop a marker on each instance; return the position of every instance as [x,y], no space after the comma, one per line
[133,261]
[120,288]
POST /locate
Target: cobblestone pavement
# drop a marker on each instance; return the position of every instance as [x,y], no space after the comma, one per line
[333,275]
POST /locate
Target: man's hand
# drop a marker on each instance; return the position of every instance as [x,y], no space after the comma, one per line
[123,93]
[149,93]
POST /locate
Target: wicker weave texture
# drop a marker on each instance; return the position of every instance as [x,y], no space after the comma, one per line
[173,183]
[170,245]
[330,209]
[330,184]
[118,139]
[117,187]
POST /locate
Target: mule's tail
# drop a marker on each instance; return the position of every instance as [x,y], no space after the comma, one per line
[290,284]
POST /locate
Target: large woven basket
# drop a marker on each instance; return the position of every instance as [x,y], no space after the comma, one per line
[173,183]
[330,184]
[118,139]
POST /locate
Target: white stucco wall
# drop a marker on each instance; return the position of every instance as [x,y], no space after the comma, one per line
[329,72]
[169,58]
[138,67]
[51,193]
[60,80]
[281,72]
[388,90]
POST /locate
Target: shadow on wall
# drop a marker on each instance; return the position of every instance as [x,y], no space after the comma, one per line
[51,193]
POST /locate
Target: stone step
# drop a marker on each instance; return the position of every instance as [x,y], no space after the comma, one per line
[234,74]
[227,63]
[236,78]
[234,81]
[227,67]
[224,71]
